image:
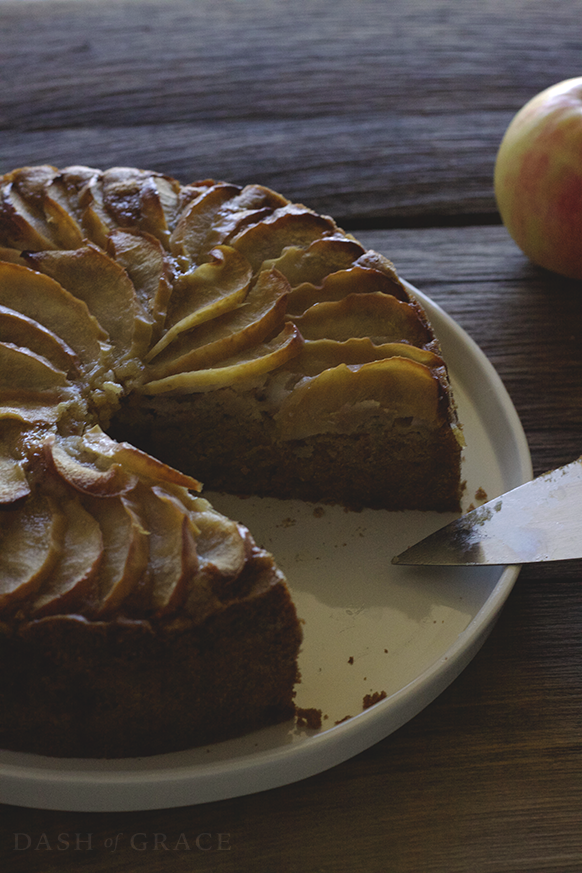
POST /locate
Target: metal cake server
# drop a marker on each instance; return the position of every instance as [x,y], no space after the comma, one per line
[536,522]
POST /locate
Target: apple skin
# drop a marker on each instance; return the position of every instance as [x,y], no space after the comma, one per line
[538,178]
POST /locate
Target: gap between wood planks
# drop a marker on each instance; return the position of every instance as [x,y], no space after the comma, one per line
[422,221]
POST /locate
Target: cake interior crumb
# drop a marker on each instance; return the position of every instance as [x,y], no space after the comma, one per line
[370,699]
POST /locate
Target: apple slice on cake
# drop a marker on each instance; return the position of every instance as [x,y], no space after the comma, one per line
[53,217]
[323,354]
[205,293]
[104,286]
[313,263]
[379,316]
[21,368]
[248,365]
[96,220]
[196,220]
[41,298]
[172,557]
[290,225]
[20,330]
[37,408]
[141,199]
[400,388]
[336,286]
[125,551]
[135,462]
[251,205]
[13,481]
[30,545]
[62,216]
[221,546]
[261,314]
[85,476]
[70,582]
[148,266]
[22,225]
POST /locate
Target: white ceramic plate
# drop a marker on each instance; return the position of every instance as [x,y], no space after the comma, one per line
[370,627]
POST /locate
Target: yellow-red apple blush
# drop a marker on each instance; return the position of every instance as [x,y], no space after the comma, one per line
[538,178]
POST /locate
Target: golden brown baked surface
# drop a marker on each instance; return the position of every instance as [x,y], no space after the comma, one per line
[216,332]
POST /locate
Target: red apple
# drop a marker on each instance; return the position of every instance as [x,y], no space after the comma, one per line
[538,178]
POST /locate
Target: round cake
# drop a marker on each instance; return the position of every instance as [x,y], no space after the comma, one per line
[153,334]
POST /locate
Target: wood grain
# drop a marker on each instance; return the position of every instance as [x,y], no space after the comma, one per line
[361,108]
[388,116]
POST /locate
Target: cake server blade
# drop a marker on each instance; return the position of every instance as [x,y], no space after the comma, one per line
[536,522]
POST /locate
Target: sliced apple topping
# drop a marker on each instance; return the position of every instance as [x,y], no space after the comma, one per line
[76,177]
[104,286]
[374,261]
[291,225]
[13,481]
[30,407]
[172,559]
[148,267]
[196,220]
[58,195]
[13,256]
[96,220]
[125,552]
[30,546]
[331,401]
[65,230]
[222,548]
[41,298]
[85,476]
[39,188]
[68,189]
[262,314]
[319,355]
[205,293]
[254,198]
[336,286]
[141,199]
[170,198]
[253,204]
[135,461]
[23,195]
[71,581]
[20,369]
[22,226]
[312,264]
[379,316]
[31,181]
[250,364]
[20,330]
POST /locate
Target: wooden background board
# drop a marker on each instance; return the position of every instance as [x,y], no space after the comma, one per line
[388,115]
[383,110]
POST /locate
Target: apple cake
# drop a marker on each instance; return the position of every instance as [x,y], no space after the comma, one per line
[153,334]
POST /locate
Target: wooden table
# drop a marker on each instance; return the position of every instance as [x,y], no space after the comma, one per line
[387,115]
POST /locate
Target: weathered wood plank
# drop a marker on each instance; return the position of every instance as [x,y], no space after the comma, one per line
[367,110]
[374,111]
